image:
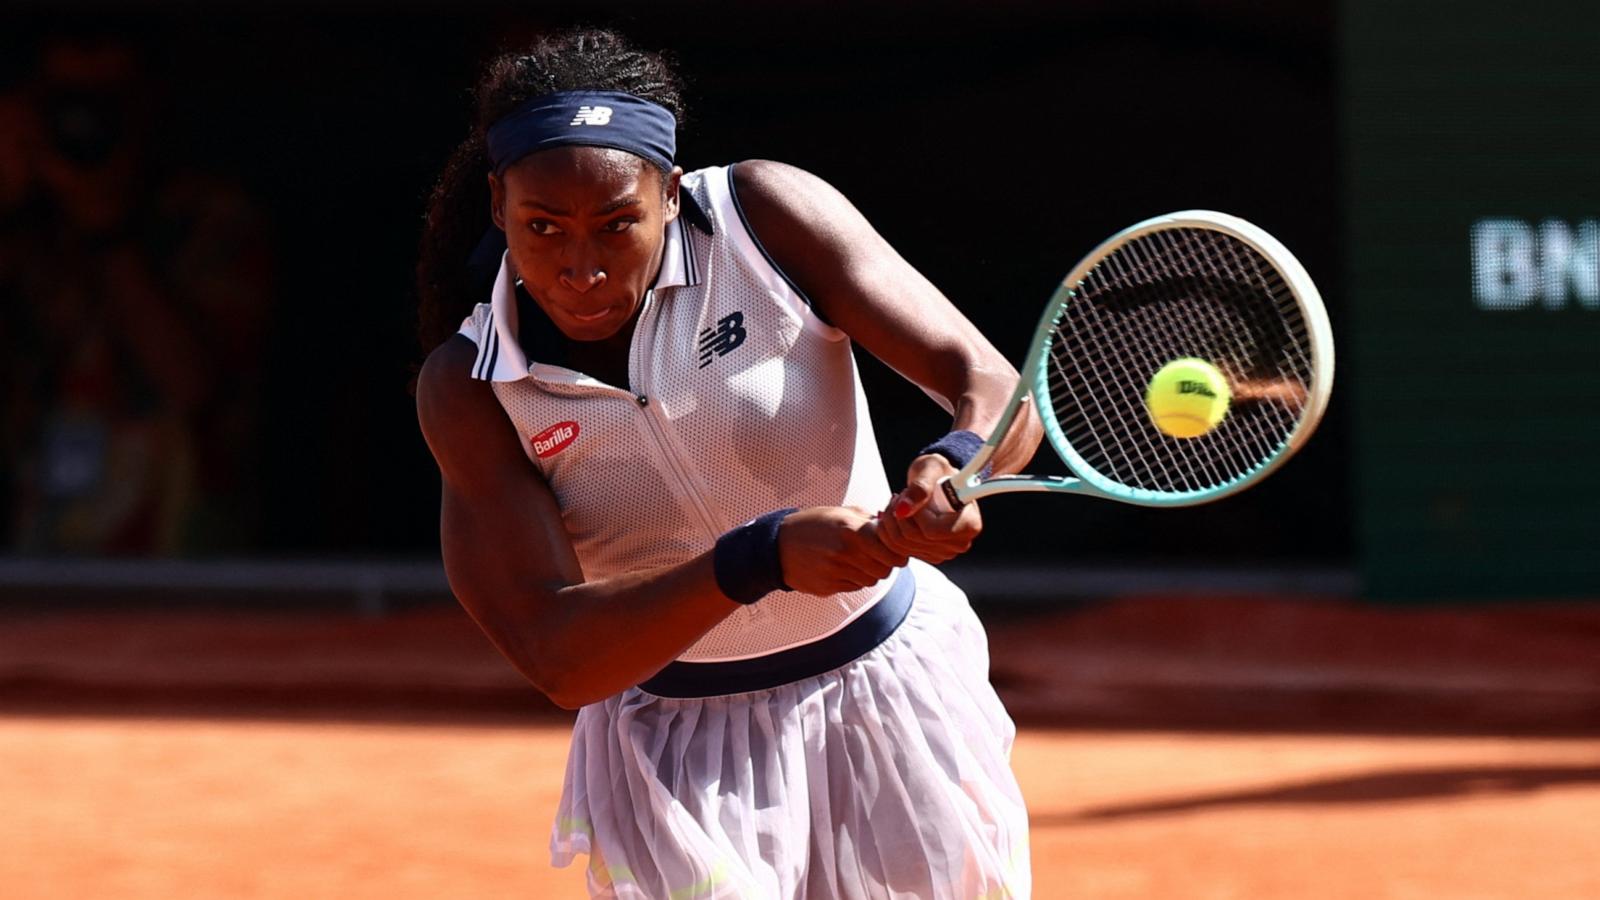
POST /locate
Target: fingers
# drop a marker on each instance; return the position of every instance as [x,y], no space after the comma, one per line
[910,501]
[920,521]
[843,574]
[922,486]
[828,550]
[934,534]
[867,557]
[881,553]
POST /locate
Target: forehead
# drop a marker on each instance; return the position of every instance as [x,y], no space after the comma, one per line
[581,176]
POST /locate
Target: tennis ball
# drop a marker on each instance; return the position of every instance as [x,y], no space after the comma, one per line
[1187,397]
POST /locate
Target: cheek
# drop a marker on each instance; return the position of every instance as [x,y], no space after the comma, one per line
[528,258]
[640,256]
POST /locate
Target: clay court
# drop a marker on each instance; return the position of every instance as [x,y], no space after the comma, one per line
[1171,747]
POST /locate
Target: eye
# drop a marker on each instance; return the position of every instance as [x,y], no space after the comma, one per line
[617,226]
[543,227]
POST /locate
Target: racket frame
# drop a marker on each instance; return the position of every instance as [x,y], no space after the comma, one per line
[968,485]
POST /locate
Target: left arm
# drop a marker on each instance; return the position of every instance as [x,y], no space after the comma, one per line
[858,282]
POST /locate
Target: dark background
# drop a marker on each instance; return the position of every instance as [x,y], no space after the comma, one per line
[1476,437]
[993,147]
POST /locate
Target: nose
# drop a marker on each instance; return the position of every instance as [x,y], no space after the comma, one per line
[583,271]
[583,280]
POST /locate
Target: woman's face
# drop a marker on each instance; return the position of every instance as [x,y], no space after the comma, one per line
[585,227]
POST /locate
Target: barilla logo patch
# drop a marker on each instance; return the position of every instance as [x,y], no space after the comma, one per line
[554,439]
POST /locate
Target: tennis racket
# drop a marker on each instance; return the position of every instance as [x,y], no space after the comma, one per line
[1195,285]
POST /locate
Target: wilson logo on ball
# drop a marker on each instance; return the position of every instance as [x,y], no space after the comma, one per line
[554,439]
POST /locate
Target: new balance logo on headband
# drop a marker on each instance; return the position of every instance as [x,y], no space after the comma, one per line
[592,115]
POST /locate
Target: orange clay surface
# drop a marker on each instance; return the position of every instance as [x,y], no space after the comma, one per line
[135,808]
[1172,748]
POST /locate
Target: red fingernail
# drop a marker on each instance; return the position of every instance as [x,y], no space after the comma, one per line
[902,508]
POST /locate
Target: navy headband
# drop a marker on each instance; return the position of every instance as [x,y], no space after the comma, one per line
[584,118]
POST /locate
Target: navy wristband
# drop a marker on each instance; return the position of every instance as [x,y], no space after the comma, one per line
[958,446]
[746,559]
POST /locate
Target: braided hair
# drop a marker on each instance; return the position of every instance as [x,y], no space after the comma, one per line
[458,208]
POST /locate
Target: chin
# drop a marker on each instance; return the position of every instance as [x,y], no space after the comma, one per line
[592,331]
[601,329]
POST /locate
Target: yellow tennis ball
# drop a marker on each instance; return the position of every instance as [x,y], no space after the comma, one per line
[1187,397]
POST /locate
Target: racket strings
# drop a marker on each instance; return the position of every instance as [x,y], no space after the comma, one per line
[1179,292]
[1191,472]
[1195,470]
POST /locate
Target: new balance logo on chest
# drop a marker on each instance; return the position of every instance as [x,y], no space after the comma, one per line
[721,340]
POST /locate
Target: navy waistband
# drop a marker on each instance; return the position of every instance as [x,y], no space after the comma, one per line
[866,632]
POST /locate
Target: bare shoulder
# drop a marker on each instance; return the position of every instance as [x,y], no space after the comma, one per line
[813,233]
[776,194]
[455,355]
[769,177]
[461,420]
[445,386]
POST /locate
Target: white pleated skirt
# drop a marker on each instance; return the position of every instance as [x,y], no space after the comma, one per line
[888,777]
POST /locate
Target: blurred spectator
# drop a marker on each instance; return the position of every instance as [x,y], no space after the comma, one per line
[135,300]
[14,184]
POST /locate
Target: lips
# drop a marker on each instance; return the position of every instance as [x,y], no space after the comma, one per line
[586,309]
[590,317]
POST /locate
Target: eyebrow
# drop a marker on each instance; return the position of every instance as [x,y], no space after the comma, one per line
[608,209]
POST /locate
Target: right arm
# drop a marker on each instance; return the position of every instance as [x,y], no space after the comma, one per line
[511,563]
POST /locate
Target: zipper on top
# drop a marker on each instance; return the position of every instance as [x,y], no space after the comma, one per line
[639,348]
[665,445]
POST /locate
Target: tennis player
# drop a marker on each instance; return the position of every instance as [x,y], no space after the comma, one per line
[664,504]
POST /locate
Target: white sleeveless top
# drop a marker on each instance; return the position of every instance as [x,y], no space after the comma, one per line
[741,401]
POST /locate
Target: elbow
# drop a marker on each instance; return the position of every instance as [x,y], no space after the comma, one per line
[538,657]
[550,660]
[550,680]
[563,683]
[539,668]
[564,695]
[577,684]
[569,703]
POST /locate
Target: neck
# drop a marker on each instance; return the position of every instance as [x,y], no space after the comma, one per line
[606,359]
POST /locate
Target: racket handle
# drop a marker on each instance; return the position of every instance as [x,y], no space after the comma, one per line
[950,494]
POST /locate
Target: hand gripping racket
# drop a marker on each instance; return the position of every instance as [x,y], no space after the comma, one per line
[1195,285]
